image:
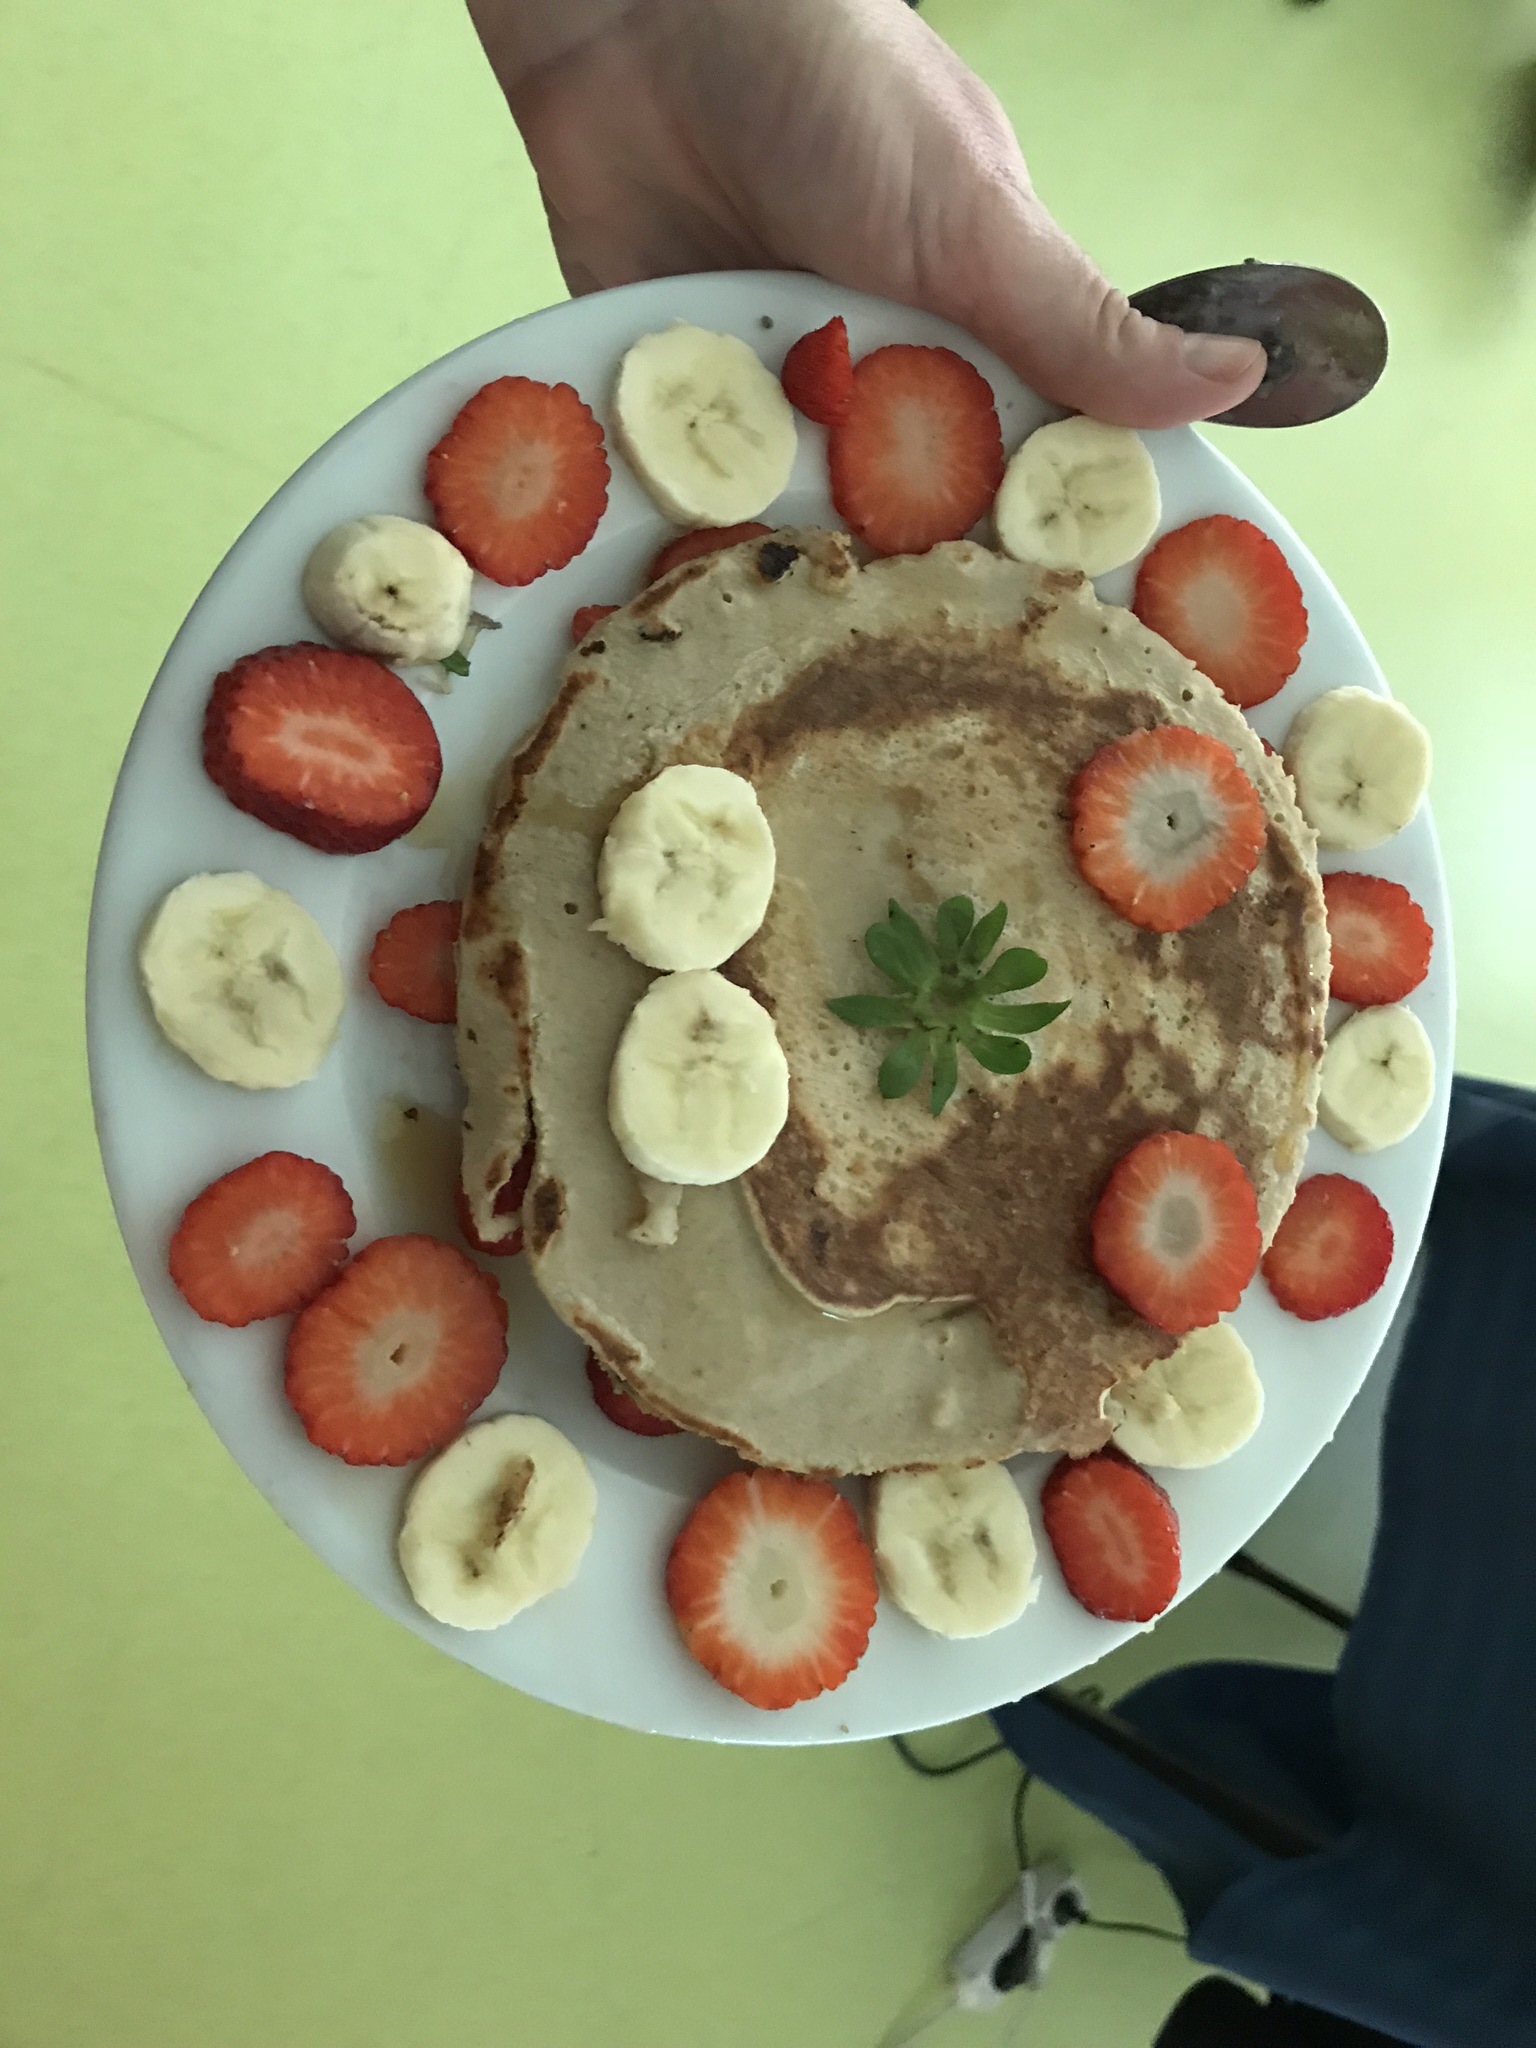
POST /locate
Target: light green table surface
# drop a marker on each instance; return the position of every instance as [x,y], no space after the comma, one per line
[237,1807]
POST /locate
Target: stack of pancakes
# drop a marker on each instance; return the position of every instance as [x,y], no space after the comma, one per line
[887,1288]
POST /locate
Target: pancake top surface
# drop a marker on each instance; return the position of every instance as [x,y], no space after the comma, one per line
[886,1288]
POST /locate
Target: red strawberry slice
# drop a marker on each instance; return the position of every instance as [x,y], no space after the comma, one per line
[1332,1250]
[520,479]
[508,1202]
[1115,1535]
[589,616]
[1166,826]
[387,1363]
[1176,1230]
[331,748]
[1379,939]
[704,540]
[818,374]
[772,1587]
[414,965]
[1222,593]
[262,1240]
[920,455]
[621,1407]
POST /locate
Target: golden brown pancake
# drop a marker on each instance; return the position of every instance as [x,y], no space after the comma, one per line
[887,1288]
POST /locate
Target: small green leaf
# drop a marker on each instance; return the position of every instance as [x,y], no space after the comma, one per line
[902,1066]
[985,936]
[946,1073]
[1017,968]
[901,952]
[456,664]
[954,921]
[1015,1017]
[873,1013]
[997,1055]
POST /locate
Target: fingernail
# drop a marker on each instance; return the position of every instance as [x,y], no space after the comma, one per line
[1222,357]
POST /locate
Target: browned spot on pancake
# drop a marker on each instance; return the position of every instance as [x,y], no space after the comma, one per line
[666,587]
[660,635]
[545,1213]
[775,558]
[525,765]
[886,686]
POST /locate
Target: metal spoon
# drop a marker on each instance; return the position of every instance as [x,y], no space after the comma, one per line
[1326,341]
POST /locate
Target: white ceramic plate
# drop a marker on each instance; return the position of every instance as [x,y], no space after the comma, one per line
[605,1645]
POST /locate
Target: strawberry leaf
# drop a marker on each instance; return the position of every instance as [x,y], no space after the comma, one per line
[455,664]
[1017,968]
[997,1055]
[902,1067]
[946,1073]
[985,936]
[903,957]
[874,1013]
[1016,1018]
[953,925]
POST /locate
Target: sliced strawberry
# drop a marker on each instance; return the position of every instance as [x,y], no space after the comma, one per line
[621,1406]
[704,540]
[818,374]
[1332,1250]
[331,748]
[1176,1230]
[414,965]
[772,1587]
[1115,1535]
[589,616]
[508,1202]
[920,455]
[1166,826]
[262,1240]
[520,479]
[1379,939]
[385,1365]
[1222,593]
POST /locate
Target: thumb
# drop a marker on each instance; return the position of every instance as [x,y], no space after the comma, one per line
[1036,300]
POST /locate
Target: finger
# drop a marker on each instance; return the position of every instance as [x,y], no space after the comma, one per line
[1045,308]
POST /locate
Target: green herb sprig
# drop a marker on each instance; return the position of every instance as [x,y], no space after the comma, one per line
[948,998]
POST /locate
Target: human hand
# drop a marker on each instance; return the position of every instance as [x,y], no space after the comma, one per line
[837,136]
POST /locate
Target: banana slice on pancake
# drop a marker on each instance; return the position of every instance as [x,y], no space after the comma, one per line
[687,868]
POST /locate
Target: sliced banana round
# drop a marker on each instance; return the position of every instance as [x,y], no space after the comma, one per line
[705,425]
[496,1521]
[955,1547]
[1195,1408]
[1078,495]
[1378,1078]
[1360,764]
[242,980]
[687,868]
[700,1085]
[389,586]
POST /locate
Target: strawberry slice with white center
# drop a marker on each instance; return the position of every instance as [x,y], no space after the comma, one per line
[773,1587]
[1332,1251]
[1176,1230]
[1166,826]
[392,1359]
[330,747]
[262,1240]
[1379,939]
[520,479]
[1115,1535]
[919,455]
[1222,593]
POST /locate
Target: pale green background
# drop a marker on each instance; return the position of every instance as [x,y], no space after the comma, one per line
[238,1807]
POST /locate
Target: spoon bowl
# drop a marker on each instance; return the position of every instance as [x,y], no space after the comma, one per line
[1325,340]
